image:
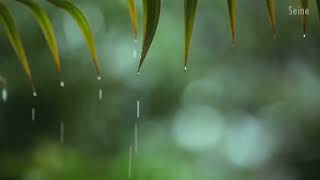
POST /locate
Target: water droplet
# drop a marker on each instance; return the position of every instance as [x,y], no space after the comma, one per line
[135,54]
[62,83]
[62,132]
[138,109]
[33,114]
[34,93]
[130,162]
[185,68]
[99,78]
[4,94]
[304,35]
[136,137]
[138,73]
[100,94]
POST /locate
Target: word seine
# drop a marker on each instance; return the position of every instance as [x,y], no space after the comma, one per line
[298,11]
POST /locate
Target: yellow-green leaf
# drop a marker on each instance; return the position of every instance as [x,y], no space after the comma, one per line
[82,22]
[47,29]
[134,17]
[305,5]
[272,15]
[151,15]
[190,8]
[9,26]
[232,4]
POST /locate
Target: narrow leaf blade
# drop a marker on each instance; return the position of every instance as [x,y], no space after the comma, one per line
[190,8]
[305,5]
[151,15]
[47,29]
[82,22]
[272,15]
[134,17]
[9,26]
[232,4]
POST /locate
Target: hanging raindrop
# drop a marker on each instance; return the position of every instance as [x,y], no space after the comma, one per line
[304,35]
[99,78]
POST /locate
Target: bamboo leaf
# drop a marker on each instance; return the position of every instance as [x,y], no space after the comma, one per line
[151,15]
[9,26]
[134,17]
[305,5]
[190,8]
[272,15]
[232,4]
[82,22]
[47,29]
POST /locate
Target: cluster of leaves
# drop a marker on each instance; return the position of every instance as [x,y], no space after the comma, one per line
[9,26]
[151,16]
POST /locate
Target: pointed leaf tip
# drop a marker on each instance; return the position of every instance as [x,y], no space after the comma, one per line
[272,15]
[47,29]
[232,4]
[134,17]
[9,26]
[151,15]
[84,26]
[190,8]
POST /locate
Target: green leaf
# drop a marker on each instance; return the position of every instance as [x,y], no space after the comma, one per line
[272,15]
[232,4]
[82,22]
[190,8]
[305,5]
[9,26]
[47,29]
[134,17]
[151,15]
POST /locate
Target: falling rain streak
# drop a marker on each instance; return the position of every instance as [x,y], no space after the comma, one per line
[62,84]
[135,52]
[33,114]
[130,162]
[4,95]
[4,92]
[62,132]
[138,109]
[100,94]
[136,137]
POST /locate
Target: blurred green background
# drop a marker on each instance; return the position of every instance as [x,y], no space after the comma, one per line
[246,113]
